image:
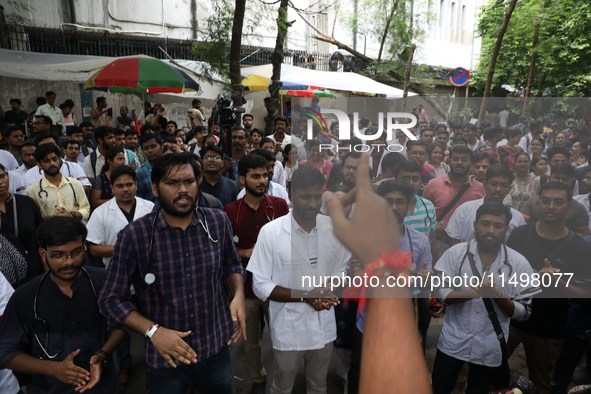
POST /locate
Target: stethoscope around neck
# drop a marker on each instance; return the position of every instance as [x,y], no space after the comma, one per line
[270,219]
[36,317]
[150,278]
[43,191]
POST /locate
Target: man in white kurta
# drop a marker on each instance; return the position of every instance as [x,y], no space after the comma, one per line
[285,253]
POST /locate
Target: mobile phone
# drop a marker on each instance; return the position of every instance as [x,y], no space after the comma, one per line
[110,112]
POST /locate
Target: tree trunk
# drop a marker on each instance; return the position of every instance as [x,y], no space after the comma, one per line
[235,47]
[417,89]
[407,76]
[532,61]
[493,61]
[277,60]
[385,35]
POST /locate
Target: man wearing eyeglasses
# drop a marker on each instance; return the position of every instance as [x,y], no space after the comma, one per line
[576,219]
[71,152]
[213,183]
[551,248]
[417,152]
[52,328]
[497,185]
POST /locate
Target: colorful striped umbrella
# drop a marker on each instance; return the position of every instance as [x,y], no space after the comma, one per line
[141,75]
[322,93]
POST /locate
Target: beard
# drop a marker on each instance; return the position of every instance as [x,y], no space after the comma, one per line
[170,209]
[486,246]
[254,191]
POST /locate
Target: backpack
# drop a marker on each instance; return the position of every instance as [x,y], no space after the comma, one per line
[211,200]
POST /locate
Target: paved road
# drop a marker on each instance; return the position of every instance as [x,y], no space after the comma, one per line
[242,382]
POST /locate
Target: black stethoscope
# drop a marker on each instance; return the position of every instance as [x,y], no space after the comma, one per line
[41,320]
[236,239]
[41,191]
[150,278]
[426,215]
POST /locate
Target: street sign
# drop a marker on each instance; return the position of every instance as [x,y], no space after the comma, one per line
[459,76]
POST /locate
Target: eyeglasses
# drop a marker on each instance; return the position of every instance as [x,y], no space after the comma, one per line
[522,162]
[417,153]
[212,158]
[400,203]
[545,203]
[61,256]
[456,159]
[350,168]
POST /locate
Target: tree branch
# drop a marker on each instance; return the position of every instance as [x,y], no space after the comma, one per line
[417,89]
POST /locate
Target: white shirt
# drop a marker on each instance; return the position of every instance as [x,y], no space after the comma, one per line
[56,115]
[275,190]
[8,160]
[503,117]
[467,332]
[22,171]
[279,173]
[8,383]
[69,169]
[461,223]
[296,326]
[286,140]
[17,184]
[107,220]
[584,200]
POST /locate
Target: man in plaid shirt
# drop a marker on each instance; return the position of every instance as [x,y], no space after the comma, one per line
[179,260]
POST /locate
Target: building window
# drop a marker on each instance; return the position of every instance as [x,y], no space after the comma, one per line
[452,17]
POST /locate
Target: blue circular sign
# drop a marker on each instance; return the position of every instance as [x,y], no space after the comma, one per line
[459,76]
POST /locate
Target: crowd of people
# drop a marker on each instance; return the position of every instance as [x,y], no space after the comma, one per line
[197,239]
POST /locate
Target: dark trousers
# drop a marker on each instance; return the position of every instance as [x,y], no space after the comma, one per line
[446,370]
[211,376]
[572,351]
[424,318]
[354,371]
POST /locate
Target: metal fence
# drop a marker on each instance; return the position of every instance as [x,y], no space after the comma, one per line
[74,42]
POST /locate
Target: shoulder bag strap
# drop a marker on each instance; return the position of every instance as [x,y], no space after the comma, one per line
[453,202]
[492,314]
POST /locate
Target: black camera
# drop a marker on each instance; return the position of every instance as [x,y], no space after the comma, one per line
[522,384]
[228,111]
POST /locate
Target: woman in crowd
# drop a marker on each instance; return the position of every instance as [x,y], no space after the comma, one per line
[522,184]
[256,135]
[315,159]
[290,163]
[539,165]
[19,219]
[579,154]
[436,156]
[509,152]
[101,189]
[537,147]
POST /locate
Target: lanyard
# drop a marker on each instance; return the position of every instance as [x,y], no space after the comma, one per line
[14,215]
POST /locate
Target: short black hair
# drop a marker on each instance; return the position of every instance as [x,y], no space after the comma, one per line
[211,147]
[15,100]
[557,150]
[147,137]
[8,131]
[411,143]
[352,155]
[425,129]
[443,132]
[495,208]
[258,131]
[470,126]
[513,133]
[306,176]
[499,170]
[100,100]
[555,185]
[46,119]
[563,169]
[129,132]
[41,137]
[102,131]
[44,150]
[40,101]
[491,132]
[122,170]
[118,131]
[407,166]
[195,101]
[250,162]
[249,115]
[267,140]
[280,118]
[73,130]
[59,230]
[479,156]
[164,164]
[70,142]
[461,150]
[86,124]
[396,185]
[581,130]
[49,93]
[173,122]
[391,160]
[27,145]
[147,127]
[265,154]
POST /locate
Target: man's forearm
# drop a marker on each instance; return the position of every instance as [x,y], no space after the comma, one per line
[27,364]
[236,284]
[136,322]
[282,294]
[102,250]
[115,339]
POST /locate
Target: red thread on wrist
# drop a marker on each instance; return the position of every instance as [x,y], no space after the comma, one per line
[400,261]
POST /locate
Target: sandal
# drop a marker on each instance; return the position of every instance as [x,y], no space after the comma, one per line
[122,386]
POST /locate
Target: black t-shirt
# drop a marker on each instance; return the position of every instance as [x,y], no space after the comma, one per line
[548,317]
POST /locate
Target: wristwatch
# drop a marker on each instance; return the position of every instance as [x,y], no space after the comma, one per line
[304,296]
[74,215]
[152,330]
[104,353]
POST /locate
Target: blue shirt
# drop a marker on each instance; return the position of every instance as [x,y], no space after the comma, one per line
[224,189]
[144,182]
[418,244]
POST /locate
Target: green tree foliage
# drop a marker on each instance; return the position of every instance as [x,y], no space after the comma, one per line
[563,65]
